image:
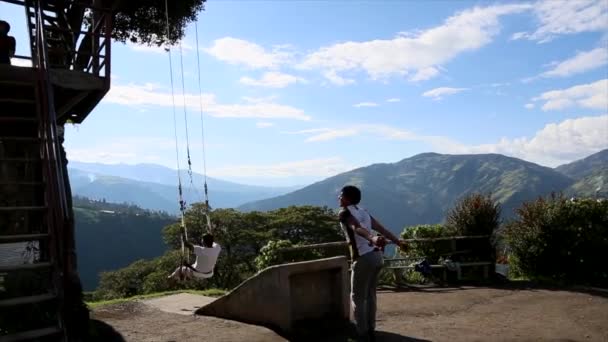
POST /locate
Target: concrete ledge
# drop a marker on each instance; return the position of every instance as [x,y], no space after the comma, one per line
[281,296]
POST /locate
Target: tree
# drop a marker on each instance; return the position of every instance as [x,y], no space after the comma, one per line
[136,21]
[144,21]
[475,214]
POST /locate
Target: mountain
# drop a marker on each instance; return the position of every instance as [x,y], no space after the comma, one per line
[155,187]
[592,185]
[110,236]
[590,174]
[422,188]
[584,167]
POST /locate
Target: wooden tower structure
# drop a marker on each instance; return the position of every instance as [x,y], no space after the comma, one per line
[40,292]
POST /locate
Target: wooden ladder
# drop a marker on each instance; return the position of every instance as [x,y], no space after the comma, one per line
[31,292]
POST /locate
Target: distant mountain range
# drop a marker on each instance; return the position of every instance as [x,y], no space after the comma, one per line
[154,187]
[421,189]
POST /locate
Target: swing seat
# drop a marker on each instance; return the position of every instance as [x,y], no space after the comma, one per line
[206,259]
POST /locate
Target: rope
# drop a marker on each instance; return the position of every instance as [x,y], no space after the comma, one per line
[200,97]
[182,204]
[181,60]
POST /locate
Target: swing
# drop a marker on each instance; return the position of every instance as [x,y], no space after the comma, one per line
[207,254]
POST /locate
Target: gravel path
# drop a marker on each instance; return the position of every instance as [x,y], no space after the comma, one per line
[463,314]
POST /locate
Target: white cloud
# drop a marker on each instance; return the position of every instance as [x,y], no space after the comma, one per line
[581,62]
[529,106]
[555,144]
[238,51]
[272,80]
[567,17]
[334,78]
[383,131]
[123,150]
[264,124]
[365,104]
[592,95]
[421,52]
[438,93]
[393,100]
[322,167]
[424,74]
[264,99]
[152,95]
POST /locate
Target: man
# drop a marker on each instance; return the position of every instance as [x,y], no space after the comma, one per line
[206,257]
[366,252]
[7,43]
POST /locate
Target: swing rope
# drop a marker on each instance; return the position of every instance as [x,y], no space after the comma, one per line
[181,60]
[200,97]
[182,204]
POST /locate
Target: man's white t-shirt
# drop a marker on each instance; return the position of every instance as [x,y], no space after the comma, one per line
[365,220]
[205,260]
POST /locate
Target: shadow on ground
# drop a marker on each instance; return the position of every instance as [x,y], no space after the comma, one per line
[340,332]
[103,332]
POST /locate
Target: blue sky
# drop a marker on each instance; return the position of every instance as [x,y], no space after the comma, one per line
[297,91]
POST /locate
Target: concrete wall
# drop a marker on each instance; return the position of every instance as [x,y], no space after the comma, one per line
[281,296]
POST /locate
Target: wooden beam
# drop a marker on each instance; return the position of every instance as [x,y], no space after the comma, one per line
[24,267]
[449,238]
[27,300]
[31,334]
[315,246]
[71,103]
[22,237]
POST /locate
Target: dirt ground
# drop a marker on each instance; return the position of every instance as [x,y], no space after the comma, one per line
[440,314]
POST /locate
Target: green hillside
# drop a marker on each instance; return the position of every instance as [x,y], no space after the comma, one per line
[160,196]
[592,185]
[590,174]
[420,189]
[584,167]
[110,236]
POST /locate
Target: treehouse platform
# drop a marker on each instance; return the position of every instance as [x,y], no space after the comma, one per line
[40,292]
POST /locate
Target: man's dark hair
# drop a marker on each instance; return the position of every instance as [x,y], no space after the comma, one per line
[208,240]
[7,25]
[352,193]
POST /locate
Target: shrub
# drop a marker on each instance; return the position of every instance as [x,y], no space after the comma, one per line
[271,254]
[475,214]
[560,239]
[431,250]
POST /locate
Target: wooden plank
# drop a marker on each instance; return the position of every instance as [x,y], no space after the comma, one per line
[27,300]
[20,160]
[449,238]
[30,335]
[25,267]
[315,246]
[22,101]
[20,139]
[15,119]
[31,208]
[476,263]
[2,183]
[22,237]
[75,80]
[412,267]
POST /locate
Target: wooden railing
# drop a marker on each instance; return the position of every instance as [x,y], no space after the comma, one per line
[86,48]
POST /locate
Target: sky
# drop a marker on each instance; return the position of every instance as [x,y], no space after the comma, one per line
[296,91]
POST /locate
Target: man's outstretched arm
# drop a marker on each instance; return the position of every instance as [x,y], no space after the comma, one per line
[377,226]
[354,224]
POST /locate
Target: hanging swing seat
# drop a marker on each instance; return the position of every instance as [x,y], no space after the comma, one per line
[206,257]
